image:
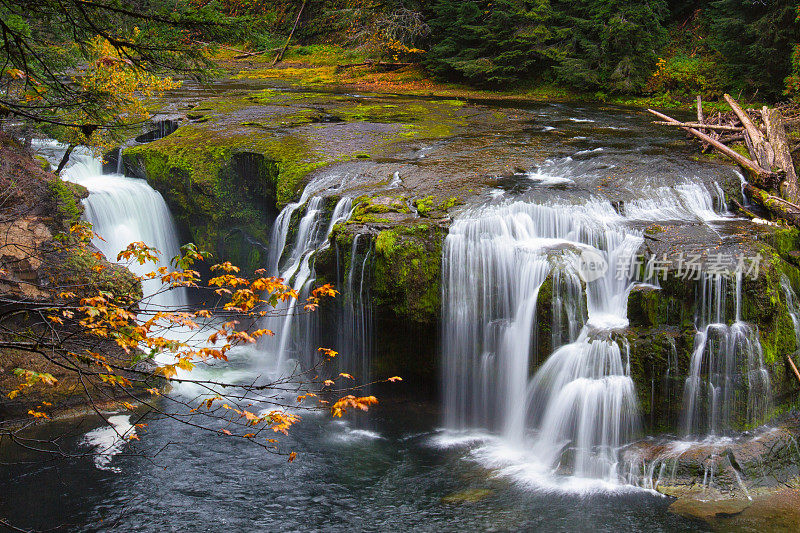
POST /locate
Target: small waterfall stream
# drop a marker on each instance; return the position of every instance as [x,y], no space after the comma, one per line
[294,329]
[355,334]
[727,374]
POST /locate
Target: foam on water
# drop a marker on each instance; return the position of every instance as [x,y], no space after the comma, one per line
[109,440]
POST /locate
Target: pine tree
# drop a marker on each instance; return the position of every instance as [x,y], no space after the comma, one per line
[490,43]
[612,44]
[756,40]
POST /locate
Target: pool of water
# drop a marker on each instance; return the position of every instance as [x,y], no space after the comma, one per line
[393,474]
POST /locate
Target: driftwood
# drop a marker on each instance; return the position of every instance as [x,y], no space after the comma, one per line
[782,155]
[279,57]
[760,150]
[758,174]
[724,139]
[700,126]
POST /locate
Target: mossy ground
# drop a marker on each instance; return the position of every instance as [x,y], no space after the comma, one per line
[321,66]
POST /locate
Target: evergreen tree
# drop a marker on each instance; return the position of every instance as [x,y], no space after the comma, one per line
[611,44]
[490,43]
[756,40]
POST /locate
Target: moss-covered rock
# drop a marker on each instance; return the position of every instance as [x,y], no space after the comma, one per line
[408,271]
[239,159]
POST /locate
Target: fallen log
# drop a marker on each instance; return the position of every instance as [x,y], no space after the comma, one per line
[760,150]
[779,142]
[373,63]
[775,205]
[725,139]
[279,57]
[759,174]
[699,126]
[245,55]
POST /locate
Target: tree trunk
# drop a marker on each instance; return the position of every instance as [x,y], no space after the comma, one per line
[758,174]
[796,373]
[279,57]
[776,134]
[65,159]
[700,109]
[760,151]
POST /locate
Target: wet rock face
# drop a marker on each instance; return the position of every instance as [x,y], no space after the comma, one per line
[721,477]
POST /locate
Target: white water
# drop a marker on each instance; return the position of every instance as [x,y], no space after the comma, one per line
[355,334]
[294,329]
[580,406]
[688,201]
[791,305]
[126,210]
[109,440]
[727,376]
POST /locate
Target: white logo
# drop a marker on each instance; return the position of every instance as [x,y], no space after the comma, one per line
[591,265]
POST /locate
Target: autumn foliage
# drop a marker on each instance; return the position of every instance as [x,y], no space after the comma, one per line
[173,342]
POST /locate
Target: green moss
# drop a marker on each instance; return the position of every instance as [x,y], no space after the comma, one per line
[408,271]
[431,204]
[67,199]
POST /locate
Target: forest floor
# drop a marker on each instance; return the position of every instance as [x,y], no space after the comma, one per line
[330,66]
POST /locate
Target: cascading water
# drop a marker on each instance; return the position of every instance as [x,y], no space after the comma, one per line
[582,400]
[354,336]
[295,330]
[791,305]
[125,210]
[726,372]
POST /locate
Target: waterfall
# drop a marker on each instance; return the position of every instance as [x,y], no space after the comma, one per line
[726,371]
[791,305]
[294,330]
[580,406]
[125,210]
[354,338]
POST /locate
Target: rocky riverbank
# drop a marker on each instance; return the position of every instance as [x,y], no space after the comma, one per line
[37,264]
